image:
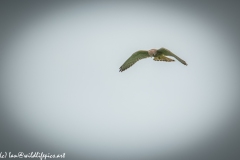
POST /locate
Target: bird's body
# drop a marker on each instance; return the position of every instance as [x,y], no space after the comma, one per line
[159,55]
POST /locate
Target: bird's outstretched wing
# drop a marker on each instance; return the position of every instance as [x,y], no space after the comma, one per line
[133,59]
[166,52]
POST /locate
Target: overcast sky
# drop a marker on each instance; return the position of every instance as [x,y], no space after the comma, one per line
[62,87]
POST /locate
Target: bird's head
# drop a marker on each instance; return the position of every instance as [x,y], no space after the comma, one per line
[152,52]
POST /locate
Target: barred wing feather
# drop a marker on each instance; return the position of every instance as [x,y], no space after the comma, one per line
[166,52]
[133,59]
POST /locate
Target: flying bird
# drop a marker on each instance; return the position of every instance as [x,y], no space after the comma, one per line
[159,55]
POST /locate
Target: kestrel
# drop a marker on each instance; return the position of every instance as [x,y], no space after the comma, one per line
[159,55]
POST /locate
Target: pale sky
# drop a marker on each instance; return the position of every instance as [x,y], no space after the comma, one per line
[62,82]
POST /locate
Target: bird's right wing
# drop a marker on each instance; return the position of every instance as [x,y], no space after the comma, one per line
[133,59]
[166,52]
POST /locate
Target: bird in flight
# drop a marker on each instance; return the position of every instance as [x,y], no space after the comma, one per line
[159,55]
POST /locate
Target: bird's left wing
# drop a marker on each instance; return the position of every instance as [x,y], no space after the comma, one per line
[133,59]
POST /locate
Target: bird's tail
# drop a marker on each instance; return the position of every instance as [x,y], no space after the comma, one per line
[163,58]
